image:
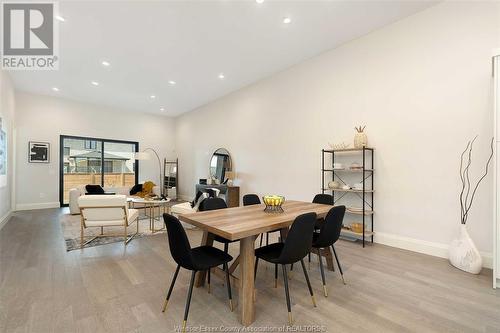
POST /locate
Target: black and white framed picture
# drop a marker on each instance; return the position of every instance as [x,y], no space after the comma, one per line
[39,152]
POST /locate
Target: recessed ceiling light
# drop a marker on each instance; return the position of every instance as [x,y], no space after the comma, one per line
[172,83]
[259,1]
[60,18]
[95,83]
[221,76]
[152,96]
[105,63]
[287,20]
[55,89]
[162,109]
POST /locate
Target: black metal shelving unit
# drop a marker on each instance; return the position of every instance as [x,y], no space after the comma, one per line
[171,174]
[366,194]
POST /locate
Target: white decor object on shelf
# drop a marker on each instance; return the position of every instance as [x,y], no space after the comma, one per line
[334,184]
[337,166]
[463,254]
[360,138]
[339,146]
[355,166]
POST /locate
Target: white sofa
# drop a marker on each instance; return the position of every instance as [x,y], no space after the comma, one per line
[76,192]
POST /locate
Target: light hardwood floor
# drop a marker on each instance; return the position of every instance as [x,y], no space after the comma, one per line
[111,288]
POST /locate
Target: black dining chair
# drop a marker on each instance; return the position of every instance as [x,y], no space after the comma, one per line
[214,204]
[327,236]
[253,199]
[324,199]
[201,258]
[296,246]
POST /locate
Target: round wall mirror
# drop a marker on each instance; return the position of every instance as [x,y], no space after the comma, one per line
[219,164]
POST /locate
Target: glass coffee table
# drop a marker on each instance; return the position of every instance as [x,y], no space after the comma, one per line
[150,207]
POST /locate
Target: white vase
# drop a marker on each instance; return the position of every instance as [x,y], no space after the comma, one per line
[464,254]
[360,140]
[334,184]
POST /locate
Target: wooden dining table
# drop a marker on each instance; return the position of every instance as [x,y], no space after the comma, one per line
[245,224]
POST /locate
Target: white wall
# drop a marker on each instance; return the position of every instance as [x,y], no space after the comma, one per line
[42,118]
[422,87]
[496,227]
[7,115]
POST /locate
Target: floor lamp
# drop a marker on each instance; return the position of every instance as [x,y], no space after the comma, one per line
[146,155]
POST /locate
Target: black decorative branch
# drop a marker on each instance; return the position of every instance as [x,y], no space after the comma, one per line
[466,202]
[462,208]
[466,173]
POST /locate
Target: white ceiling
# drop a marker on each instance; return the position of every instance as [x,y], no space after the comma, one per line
[149,43]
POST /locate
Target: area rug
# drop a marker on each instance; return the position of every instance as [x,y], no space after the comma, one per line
[71,231]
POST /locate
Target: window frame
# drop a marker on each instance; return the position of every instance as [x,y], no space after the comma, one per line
[94,140]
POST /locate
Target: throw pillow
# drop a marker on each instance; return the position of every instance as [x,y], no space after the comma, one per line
[200,200]
[136,189]
[94,189]
[147,189]
[213,192]
[198,195]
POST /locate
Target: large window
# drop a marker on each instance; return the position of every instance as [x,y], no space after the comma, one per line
[90,144]
[84,161]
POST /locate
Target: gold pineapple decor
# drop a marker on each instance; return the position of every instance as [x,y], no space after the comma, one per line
[360,138]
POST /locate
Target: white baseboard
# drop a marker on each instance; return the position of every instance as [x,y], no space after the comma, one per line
[41,205]
[416,245]
[4,219]
[421,246]
[487,259]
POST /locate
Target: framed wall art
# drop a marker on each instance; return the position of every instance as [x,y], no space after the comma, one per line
[39,152]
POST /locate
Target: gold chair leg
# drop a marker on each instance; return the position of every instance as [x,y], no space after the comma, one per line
[164,305]
[129,238]
[90,240]
[290,319]
[171,288]
[81,237]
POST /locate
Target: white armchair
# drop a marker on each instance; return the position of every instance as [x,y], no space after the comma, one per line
[106,211]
